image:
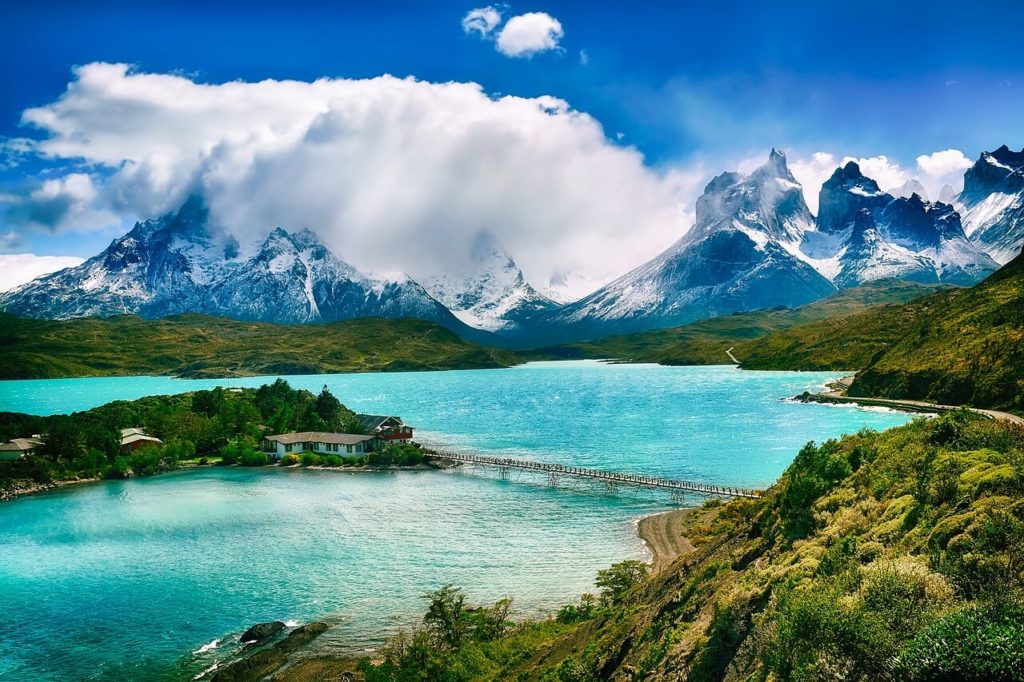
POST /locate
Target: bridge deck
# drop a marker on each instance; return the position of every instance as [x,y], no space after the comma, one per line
[597,474]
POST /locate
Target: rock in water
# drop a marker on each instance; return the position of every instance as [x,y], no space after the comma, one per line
[261,631]
[301,636]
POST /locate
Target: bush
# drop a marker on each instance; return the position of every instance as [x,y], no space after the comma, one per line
[814,472]
[577,613]
[244,453]
[289,460]
[977,643]
[310,459]
[616,580]
[332,460]
[816,636]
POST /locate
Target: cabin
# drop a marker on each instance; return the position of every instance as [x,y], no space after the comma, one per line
[134,438]
[19,447]
[321,443]
[389,428]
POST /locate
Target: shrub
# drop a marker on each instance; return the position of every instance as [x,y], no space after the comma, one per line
[976,643]
[332,460]
[816,636]
[814,472]
[616,580]
[310,459]
[290,460]
[577,613]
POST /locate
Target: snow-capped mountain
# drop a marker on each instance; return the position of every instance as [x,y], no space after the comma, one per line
[177,264]
[864,234]
[492,293]
[992,203]
[909,188]
[738,256]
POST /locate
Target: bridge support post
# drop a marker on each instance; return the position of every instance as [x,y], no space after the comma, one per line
[503,473]
[678,497]
[611,487]
[553,479]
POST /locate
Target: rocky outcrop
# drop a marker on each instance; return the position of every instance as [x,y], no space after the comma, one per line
[261,632]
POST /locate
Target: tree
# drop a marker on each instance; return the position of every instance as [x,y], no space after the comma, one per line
[444,617]
[616,580]
[327,406]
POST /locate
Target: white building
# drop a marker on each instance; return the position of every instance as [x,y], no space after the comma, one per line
[319,442]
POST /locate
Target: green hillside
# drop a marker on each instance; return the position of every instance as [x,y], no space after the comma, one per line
[962,347]
[705,342]
[199,346]
[882,556]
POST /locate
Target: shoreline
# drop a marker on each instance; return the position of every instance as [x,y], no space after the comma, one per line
[835,393]
[661,534]
[37,488]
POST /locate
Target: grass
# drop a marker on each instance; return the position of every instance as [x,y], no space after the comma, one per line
[893,555]
[961,347]
[705,342]
[196,346]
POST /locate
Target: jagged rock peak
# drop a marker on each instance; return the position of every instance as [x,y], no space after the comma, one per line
[776,165]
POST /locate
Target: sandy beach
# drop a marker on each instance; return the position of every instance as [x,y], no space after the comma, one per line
[663,534]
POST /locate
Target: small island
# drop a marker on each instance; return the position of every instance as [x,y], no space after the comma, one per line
[274,424]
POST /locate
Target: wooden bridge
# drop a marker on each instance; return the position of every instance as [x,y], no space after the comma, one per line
[610,478]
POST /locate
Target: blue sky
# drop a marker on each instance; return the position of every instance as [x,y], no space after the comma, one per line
[687,84]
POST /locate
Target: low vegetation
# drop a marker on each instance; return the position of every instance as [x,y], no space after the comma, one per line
[705,342]
[203,427]
[195,346]
[960,347]
[881,556]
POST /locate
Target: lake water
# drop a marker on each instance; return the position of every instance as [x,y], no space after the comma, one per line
[121,580]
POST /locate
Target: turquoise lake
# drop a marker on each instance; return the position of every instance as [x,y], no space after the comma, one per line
[122,580]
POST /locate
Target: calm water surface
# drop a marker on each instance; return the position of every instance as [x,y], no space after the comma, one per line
[121,580]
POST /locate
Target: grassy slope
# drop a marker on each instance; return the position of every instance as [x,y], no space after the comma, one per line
[705,342]
[960,347]
[892,555]
[198,346]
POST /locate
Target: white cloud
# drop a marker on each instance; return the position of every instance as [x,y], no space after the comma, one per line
[481,21]
[527,34]
[812,173]
[394,174]
[886,172]
[943,168]
[943,163]
[58,203]
[933,171]
[584,58]
[18,268]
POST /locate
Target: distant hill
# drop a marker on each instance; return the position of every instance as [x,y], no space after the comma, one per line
[196,346]
[705,342]
[963,346]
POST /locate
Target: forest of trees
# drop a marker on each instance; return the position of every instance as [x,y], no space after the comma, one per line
[203,426]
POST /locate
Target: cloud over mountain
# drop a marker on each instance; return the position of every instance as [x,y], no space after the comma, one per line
[390,172]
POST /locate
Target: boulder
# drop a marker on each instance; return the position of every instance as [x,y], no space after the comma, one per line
[261,631]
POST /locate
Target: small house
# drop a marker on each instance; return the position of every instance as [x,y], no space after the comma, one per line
[19,447]
[343,444]
[134,438]
[385,427]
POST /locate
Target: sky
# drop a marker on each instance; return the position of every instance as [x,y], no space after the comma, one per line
[578,134]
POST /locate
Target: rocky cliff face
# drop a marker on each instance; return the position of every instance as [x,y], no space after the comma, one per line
[864,234]
[740,255]
[992,203]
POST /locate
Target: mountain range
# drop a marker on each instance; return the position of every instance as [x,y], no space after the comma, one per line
[755,244]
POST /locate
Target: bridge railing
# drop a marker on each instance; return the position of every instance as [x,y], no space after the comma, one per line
[632,479]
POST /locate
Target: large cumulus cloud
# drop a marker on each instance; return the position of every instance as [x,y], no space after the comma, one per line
[394,174]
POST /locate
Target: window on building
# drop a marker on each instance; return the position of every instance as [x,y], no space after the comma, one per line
[288,447]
